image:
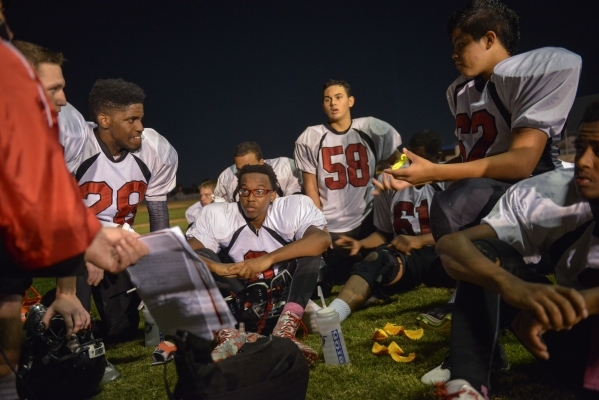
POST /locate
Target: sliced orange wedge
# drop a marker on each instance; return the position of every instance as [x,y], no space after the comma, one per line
[379,350]
[414,335]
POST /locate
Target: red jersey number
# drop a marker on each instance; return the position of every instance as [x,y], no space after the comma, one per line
[481,120]
[403,226]
[357,171]
[125,210]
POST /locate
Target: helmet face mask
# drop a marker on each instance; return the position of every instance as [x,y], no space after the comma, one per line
[52,367]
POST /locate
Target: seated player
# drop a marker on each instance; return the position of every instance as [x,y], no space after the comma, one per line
[259,231]
[509,110]
[206,197]
[118,163]
[290,180]
[404,255]
[497,288]
[338,160]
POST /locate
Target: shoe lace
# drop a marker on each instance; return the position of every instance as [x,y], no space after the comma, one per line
[290,325]
[442,392]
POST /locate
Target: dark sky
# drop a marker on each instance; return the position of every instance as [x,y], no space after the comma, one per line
[220,72]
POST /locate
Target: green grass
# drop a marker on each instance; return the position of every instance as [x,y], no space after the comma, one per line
[368,376]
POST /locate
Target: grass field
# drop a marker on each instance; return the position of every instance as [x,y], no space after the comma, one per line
[368,376]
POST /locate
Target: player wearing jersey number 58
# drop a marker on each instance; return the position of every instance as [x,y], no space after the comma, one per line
[338,160]
[117,164]
[509,111]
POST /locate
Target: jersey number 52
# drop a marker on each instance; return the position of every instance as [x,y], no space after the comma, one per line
[468,126]
[356,172]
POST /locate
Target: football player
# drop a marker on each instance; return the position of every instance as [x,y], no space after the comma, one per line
[290,181]
[338,160]
[404,255]
[554,212]
[118,163]
[206,197]
[509,110]
[261,230]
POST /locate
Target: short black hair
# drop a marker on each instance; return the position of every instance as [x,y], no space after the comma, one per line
[428,139]
[258,169]
[591,113]
[247,147]
[480,16]
[113,94]
[333,82]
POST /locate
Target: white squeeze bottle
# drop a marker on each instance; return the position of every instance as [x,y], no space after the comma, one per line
[333,344]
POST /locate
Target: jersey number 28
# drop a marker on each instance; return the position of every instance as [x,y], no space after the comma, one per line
[356,157]
[123,196]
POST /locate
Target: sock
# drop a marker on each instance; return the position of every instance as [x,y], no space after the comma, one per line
[342,308]
[8,387]
[294,308]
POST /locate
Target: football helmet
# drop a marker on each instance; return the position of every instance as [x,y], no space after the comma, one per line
[55,367]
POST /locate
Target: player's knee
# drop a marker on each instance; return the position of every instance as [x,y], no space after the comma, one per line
[379,267]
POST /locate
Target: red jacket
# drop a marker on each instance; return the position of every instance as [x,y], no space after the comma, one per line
[43,221]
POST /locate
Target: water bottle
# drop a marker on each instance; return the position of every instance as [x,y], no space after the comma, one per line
[153,334]
[333,344]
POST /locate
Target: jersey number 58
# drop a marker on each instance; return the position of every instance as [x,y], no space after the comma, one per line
[356,172]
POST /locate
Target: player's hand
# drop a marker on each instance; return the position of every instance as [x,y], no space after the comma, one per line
[406,243]
[94,274]
[419,172]
[221,269]
[529,332]
[114,249]
[388,183]
[348,243]
[555,307]
[248,269]
[71,309]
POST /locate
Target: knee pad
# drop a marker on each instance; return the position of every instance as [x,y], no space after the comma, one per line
[379,267]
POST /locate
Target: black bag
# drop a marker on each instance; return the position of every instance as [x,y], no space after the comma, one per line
[270,368]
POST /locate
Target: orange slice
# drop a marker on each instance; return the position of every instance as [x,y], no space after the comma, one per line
[400,358]
[379,350]
[414,335]
[393,329]
[395,349]
[379,334]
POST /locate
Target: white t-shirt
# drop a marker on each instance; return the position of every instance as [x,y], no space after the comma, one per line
[533,90]
[114,188]
[344,164]
[288,217]
[290,179]
[546,213]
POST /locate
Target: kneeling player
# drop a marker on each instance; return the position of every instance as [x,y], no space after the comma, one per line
[257,232]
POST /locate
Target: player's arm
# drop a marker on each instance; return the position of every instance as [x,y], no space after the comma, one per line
[554,306]
[407,243]
[517,163]
[375,239]
[158,214]
[313,243]
[311,188]
[68,306]
[214,266]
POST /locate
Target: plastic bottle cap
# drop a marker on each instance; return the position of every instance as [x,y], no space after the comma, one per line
[326,312]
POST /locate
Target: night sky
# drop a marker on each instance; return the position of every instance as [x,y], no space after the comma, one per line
[220,72]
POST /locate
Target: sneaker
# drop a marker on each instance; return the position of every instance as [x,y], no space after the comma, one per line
[465,392]
[437,320]
[440,374]
[164,353]
[286,327]
[229,341]
[110,373]
[309,317]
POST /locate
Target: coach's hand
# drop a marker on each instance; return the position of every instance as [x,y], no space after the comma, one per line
[529,332]
[350,244]
[248,269]
[419,172]
[114,249]
[71,309]
[555,307]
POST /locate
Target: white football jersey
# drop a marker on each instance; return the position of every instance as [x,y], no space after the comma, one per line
[218,227]
[405,212]
[290,179]
[546,213]
[344,164]
[529,90]
[113,188]
[193,212]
